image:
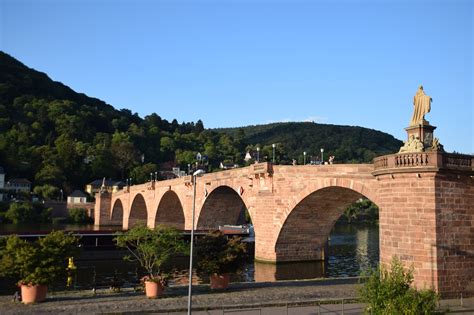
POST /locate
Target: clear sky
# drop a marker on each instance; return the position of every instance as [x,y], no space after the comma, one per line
[234,63]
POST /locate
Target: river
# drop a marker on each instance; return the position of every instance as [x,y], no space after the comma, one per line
[351,250]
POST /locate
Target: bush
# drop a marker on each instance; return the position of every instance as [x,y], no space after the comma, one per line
[41,262]
[152,248]
[218,255]
[26,212]
[389,292]
[79,216]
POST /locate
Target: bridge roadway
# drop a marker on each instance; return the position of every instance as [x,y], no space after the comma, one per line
[425,205]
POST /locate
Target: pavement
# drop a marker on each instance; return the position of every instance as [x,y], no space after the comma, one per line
[325,296]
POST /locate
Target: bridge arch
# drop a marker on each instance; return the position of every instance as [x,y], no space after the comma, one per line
[170,211]
[138,212]
[116,216]
[222,206]
[306,227]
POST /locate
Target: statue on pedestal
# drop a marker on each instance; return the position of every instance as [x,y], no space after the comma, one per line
[422,106]
[420,132]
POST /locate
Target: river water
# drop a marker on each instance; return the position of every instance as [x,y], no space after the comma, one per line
[351,250]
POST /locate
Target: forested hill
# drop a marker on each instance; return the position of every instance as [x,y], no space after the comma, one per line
[347,143]
[58,138]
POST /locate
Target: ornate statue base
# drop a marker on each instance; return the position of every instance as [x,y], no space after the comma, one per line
[420,139]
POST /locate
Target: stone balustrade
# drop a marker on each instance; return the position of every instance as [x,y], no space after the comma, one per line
[427,161]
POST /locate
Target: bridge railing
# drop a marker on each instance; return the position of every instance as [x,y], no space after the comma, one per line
[425,160]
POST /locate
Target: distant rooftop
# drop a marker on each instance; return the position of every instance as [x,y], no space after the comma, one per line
[19,181]
[77,193]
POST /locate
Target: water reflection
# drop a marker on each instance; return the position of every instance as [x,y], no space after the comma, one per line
[351,250]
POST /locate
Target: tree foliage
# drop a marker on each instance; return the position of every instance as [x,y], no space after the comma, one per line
[151,248]
[41,262]
[27,212]
[60,138]
[218,255]
[389,291]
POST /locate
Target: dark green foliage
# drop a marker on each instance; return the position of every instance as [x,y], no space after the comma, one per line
[218,255]
[63,139]
[390,292]
[41,262]
[47,192]
[347,143]
[362,211]
[26,212]
[152,248]
[79,216]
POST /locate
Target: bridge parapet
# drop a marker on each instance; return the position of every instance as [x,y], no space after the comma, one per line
[423,161]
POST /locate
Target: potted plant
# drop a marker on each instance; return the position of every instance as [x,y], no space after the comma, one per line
[218,256]
[152,249]
[37,264]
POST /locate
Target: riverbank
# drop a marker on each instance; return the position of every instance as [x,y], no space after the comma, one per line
[238,296]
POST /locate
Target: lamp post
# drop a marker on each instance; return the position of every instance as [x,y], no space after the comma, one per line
[322,156]
[304,158]
[273,147]
[197,173]
[258,154]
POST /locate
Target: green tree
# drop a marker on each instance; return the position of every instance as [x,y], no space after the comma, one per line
[389,291]
[20,213]
[151,248]
[78,216]
[141,173]
[46,191]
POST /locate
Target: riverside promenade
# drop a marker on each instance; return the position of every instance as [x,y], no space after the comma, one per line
[326,296]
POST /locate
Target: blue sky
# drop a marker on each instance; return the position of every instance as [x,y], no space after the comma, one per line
[235,63]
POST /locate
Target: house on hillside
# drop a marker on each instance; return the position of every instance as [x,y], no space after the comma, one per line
[76,197]
[18,185]
[110,186]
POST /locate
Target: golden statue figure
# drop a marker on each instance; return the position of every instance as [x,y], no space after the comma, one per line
[422,106]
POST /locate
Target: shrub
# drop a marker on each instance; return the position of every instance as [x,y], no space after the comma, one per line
[218,255]
[41,262]
[26,212]
[78,215]
[389,292]
[151,248]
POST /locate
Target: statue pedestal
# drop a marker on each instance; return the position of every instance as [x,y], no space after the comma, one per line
[422,132]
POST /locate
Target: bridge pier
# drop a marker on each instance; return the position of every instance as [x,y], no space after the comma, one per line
[426,218]
[102,208]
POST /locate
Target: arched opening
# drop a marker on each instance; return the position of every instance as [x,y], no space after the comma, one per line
[305,232]
[222,206]
[116,217]
[138,212]
[170,211]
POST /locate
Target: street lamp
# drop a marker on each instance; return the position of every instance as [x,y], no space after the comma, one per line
[197,173]
[304,158]
[322,156]
[273,146]
[258,154]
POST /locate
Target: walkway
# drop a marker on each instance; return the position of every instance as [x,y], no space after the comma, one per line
[288,297]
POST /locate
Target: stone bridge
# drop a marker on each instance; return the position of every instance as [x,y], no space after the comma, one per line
[426,203]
